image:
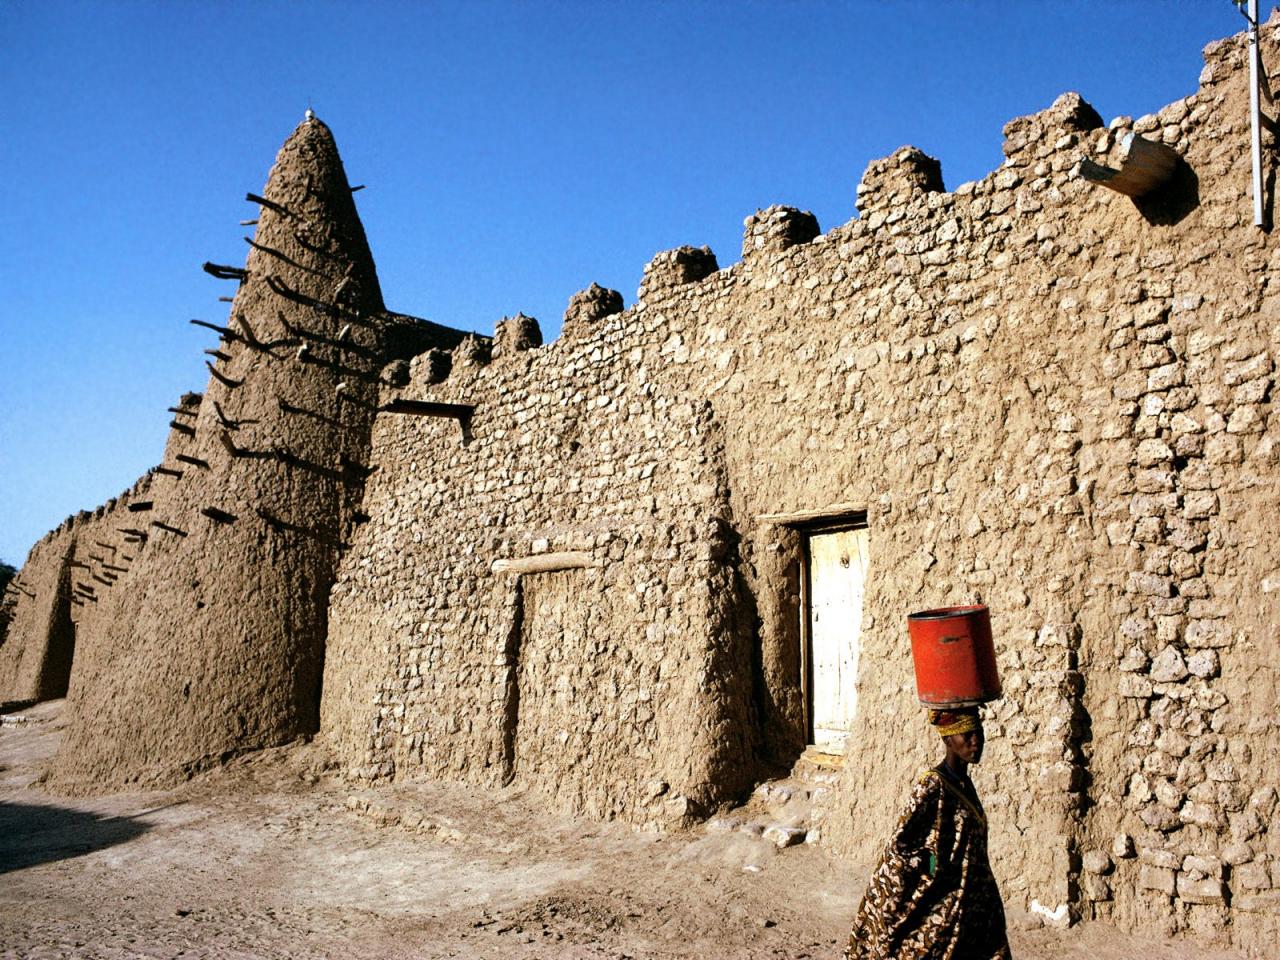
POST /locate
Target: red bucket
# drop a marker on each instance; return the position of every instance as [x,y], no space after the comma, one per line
[954,657]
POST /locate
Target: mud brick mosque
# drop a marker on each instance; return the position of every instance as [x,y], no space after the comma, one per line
[651,564]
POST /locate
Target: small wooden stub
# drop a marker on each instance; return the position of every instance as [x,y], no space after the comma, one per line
[218,516]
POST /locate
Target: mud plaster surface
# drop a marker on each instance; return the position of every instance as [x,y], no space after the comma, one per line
[257,860]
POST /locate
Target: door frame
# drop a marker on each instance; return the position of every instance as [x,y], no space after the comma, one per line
[855,520]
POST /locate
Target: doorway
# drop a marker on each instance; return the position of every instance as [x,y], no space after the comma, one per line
[836,561]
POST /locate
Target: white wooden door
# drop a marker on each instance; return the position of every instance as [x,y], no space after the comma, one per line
[837,575]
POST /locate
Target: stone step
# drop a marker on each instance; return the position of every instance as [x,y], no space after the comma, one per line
[791,809]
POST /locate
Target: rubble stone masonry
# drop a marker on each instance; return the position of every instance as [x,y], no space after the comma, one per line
[576,566]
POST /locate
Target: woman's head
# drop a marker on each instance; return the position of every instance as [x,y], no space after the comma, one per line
[961,732]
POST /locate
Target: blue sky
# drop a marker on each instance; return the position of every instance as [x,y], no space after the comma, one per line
[513,153]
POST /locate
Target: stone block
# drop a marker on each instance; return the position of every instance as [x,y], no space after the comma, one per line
[1122,847]
[1156,857]
[1134,660]
[784,836]
[1158,879]
[1251,369]
[1201,814]
[1223,449]
[1173,743]
[1221,770]
[1237,853]
[1169,794]
[1096,862]
[1199,891]
[1200,504]
[1250,876]
[1263,800]
[1258,903]
[1153,452]
[1198,866]
[1150,584]
[1207,633]
[1164,377]
[1130,685]
[1168,666]
[1246,420]
[1160,818]
[1095,888]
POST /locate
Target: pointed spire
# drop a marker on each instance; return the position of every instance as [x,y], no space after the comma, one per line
[309,238]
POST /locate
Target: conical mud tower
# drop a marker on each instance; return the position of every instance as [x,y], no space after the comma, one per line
[215,644]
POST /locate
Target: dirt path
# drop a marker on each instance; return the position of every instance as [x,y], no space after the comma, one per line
[271,858]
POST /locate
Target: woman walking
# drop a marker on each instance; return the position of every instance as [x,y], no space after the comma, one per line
[932,896]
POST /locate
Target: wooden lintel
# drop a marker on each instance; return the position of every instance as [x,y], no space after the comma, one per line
[837,511]
[430,408]
[546,563]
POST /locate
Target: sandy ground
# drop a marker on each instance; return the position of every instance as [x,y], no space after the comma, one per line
[271,857]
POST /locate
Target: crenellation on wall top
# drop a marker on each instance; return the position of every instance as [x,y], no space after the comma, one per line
[472,352]
[587,308]
[1036,136]
[675,268]
[777,228]
[905,174]
[512,335]
[431,366]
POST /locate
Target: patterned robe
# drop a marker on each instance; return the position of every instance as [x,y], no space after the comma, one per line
[932,896]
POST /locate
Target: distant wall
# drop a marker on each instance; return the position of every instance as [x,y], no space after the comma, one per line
[35,655]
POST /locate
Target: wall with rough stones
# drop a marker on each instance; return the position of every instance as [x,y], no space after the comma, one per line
[577,566]
[620,686]
[1047,397]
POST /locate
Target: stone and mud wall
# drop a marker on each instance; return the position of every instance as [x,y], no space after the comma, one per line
[577,567]
[616,679]
[1046,397]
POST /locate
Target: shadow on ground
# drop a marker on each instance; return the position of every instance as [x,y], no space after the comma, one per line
[31,835]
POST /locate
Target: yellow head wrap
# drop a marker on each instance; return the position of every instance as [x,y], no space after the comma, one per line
[949,722]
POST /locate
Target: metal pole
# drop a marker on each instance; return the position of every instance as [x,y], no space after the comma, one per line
[1255,69]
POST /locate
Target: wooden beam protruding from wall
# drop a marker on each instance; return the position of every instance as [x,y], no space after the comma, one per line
[546,563]
[1144,166]
[430,408]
